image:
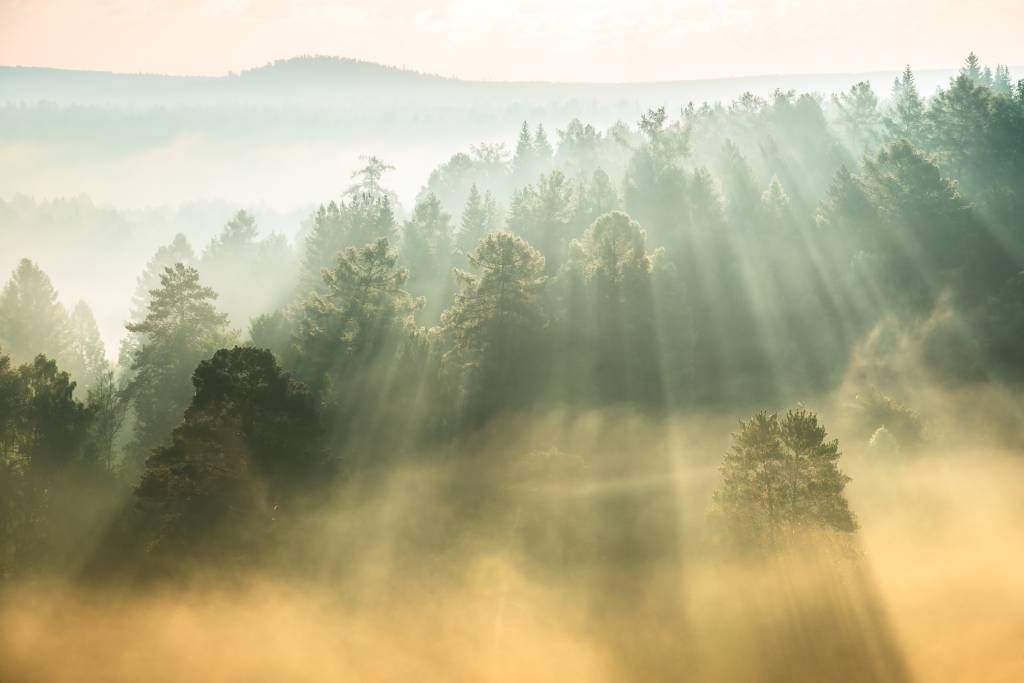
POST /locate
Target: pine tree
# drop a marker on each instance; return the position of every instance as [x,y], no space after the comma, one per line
[741,194]
[781,478]
[245,455]
[1001,83]
[181,327]
[972,68]
[776,211]
[360,316]
[475,221]
[369,179]
[32,320]
[177,251]
[906,117]
[542,149]
[495,324]
[858,114]
[237,237]
[542,213]
[524,162]
[428,234]
[87,359]
[363,220]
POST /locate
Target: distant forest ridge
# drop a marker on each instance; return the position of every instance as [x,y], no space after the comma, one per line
[331,79]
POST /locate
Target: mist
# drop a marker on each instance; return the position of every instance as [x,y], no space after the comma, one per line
[326,370]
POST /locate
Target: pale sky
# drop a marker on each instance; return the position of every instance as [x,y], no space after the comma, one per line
[572,40]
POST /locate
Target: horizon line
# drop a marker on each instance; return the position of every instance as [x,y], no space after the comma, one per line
[458,79]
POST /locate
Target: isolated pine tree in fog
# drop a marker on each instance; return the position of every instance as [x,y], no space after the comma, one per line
[247,449]
[181,327]
[780,478]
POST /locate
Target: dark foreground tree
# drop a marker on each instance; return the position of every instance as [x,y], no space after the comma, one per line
[237,465]
[781,478]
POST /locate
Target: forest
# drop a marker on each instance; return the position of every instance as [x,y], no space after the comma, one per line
[728,392]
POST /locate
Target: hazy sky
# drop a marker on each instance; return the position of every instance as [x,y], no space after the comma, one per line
[579,40]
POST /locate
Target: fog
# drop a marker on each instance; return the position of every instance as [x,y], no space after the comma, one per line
[929,592]
[326,370]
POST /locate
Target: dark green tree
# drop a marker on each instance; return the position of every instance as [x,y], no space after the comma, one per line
[493,329]
[241,463]
[781,478]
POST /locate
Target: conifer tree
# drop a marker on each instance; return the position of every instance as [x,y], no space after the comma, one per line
[781,478]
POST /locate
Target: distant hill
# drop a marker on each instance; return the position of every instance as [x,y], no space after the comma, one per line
[332,80]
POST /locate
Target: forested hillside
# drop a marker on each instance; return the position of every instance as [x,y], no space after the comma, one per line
[544,358]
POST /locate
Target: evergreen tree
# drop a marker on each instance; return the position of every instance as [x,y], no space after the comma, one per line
[781,478]
[654,186]
[87,359]
[242,460]
[362,316]
[617,271]
[741,194]
[594,199]
[473,225]
[428,250]
[906,117]
[524,162]
[972,68]
[181,328]
[858,115]
[542,149]
[237,237]
[542,214]
[429,237]
[369,180]
[776,212]
[495,324]
[1001,83]
[177,251]
[32,320]
[363,220]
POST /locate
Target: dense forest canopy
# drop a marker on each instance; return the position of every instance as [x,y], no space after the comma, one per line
[788,261]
